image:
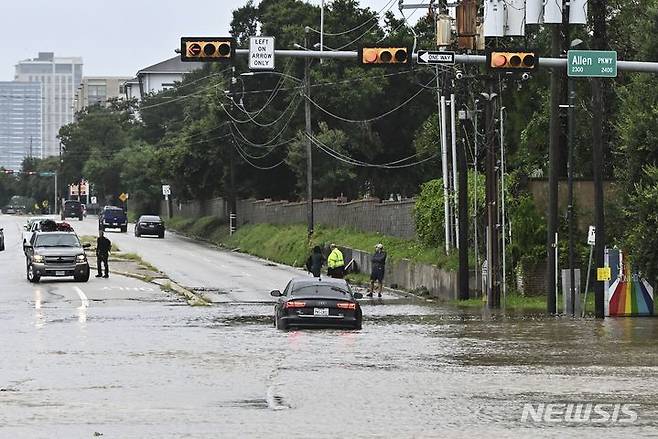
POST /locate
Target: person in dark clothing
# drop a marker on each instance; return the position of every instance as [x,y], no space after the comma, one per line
[103,246]
[378,261]
[315,261]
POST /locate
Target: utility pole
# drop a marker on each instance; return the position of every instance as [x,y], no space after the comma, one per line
[572,126]
[493,265]
[462,242]
[599,42]
[553,152]
[309,133]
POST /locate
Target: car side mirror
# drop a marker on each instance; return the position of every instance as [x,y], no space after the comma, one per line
[86,245]
[26,227]
[27,245]
[275,293]
[358,295]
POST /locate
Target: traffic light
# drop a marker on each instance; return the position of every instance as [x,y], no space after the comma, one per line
[513,61]
[207,48]
[384,55]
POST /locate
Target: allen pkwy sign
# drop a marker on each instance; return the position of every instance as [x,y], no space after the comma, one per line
[592,63]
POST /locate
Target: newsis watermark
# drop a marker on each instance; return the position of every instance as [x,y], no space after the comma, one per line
[580,413]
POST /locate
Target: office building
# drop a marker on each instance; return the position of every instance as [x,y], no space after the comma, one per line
[98,90]
[59,78]
[20,123]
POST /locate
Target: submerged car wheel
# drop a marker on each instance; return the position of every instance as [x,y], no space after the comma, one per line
[281,325]
[124,229]
[32,275]
[81,278]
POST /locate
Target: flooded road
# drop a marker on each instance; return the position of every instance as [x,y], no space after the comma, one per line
[142,364]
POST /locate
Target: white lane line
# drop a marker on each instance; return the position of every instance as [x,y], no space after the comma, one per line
[83,298]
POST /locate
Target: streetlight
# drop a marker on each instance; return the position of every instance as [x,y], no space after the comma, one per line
[571,98]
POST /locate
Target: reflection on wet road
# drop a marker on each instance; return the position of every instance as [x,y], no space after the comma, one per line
[163,370]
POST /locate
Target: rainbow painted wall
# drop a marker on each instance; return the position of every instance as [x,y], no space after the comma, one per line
[629,294]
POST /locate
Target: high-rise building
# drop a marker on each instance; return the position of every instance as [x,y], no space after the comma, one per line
[59,78]
[98,90]
[20,123]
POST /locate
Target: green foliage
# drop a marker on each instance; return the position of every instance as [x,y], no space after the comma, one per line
[529,239]
[429,209]
[642,212]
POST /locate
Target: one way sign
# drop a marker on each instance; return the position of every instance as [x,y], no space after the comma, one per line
[435,57]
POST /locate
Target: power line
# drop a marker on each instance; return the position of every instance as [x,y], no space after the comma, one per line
[377,16]
[351,161]
[381,116]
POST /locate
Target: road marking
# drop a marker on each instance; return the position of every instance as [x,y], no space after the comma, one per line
[83,298]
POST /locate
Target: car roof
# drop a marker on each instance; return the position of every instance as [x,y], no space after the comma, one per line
[300,281]
[61,232]
[112,208]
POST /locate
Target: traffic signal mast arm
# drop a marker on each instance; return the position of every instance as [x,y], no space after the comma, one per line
[551,63]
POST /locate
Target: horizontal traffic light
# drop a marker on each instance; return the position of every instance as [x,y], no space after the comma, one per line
[206,49]
[384,55]
[513,61]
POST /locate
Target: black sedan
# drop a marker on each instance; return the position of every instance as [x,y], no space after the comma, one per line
[315,302]
[150,225]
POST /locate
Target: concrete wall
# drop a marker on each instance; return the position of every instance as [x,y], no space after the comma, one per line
[583,191]
[407,275]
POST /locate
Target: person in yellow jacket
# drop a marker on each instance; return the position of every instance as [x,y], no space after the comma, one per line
[335,263]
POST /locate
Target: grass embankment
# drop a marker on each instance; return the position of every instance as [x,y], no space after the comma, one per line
[288,244]
[528,303]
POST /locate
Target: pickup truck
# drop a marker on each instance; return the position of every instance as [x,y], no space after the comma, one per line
[56,254]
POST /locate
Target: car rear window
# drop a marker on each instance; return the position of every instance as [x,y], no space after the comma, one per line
[333,291]
[116,212]
[151,218]
[72,203]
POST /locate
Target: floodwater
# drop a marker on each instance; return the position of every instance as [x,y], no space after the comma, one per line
[161,369]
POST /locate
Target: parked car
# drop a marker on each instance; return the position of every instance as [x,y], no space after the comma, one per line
[56,254]
[150,225]
[2,239]
[323,302]
[112,217]
[72,209]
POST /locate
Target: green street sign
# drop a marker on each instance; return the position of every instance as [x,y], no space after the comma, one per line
[46,174]
[592,63]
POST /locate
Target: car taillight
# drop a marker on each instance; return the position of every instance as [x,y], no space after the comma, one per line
[294,304]
[346,305]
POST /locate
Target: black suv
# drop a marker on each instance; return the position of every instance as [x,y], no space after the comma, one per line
[112,217]
[72,208]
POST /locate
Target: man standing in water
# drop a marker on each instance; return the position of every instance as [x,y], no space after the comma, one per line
[378,262]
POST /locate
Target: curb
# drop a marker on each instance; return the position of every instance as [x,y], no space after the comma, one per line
[192,299]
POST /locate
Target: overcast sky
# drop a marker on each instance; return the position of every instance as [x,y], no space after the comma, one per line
[114,37]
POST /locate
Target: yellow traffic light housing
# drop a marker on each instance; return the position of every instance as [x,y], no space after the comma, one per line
[207,49]
[512,61]
[384,55]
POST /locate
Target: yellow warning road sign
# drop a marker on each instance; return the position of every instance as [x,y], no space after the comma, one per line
[603,274]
